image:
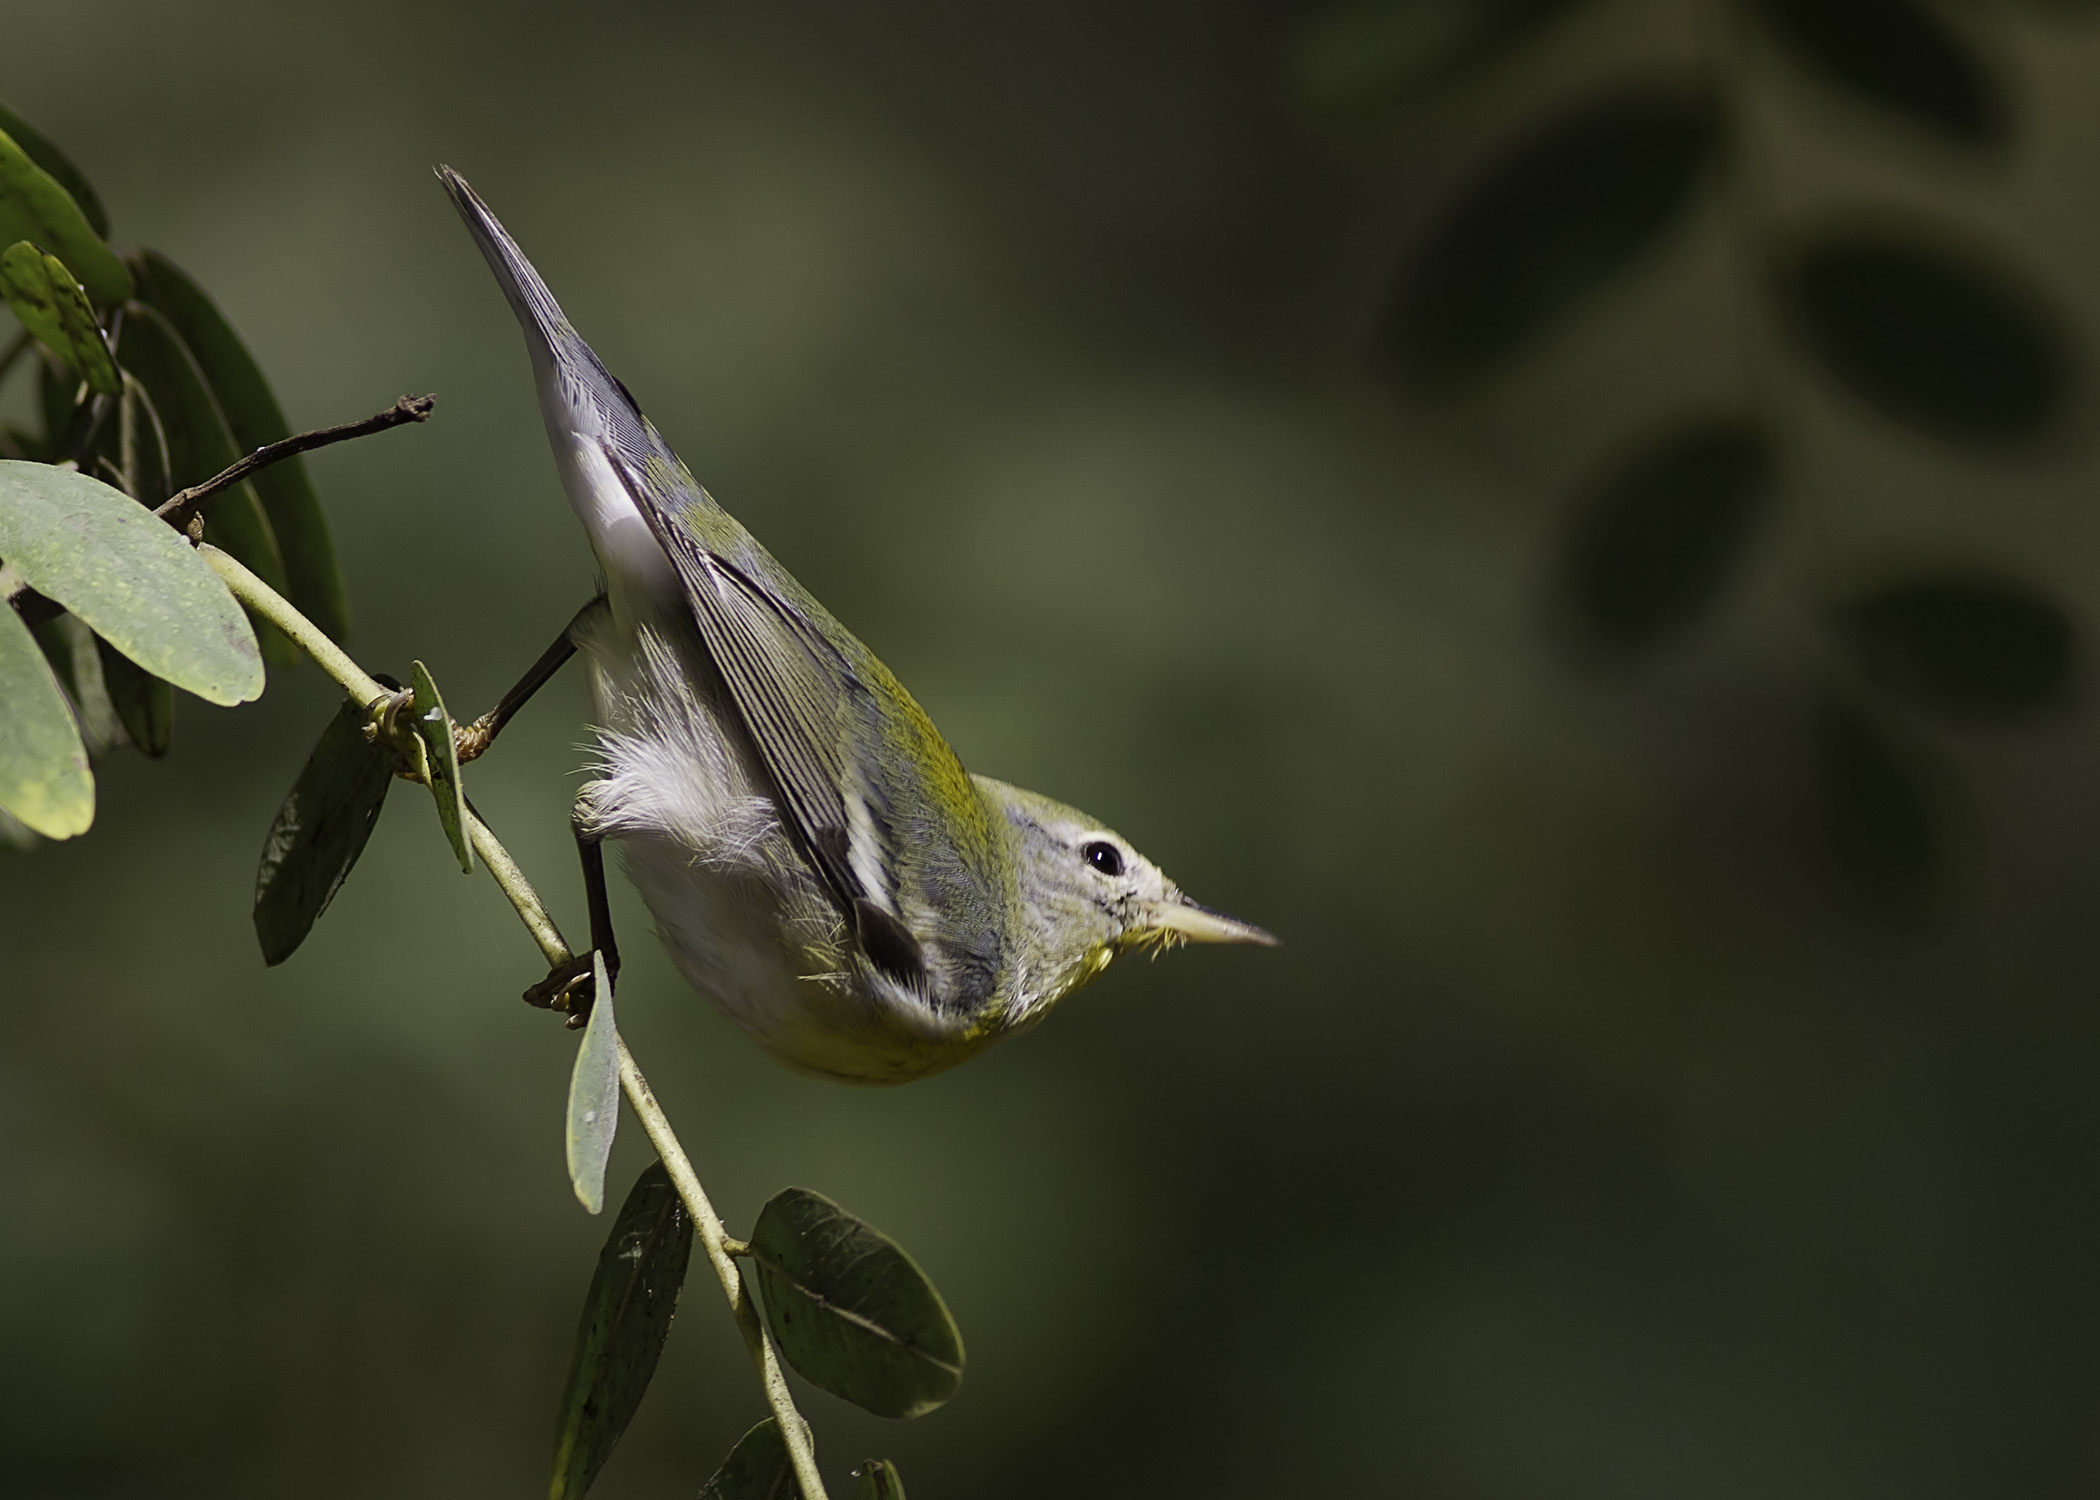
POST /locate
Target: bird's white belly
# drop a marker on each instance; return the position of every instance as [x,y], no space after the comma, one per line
[739,910]
[722,930]
[777,976]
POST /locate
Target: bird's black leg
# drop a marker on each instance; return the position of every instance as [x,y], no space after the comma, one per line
[590,850]
[572,987]
[473,740]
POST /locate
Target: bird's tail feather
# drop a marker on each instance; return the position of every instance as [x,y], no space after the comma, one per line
[522,286]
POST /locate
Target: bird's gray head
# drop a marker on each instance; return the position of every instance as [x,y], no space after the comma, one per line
[1087,895]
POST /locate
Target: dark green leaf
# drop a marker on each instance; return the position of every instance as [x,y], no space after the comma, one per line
[758,1468]
[1898,55]
[1878,810]
[44,778]
[1373,53]
[49,303]
[594,1095]
[1933,336]
[1966,644]
[199,446]
[256,420]
[75,655]
[433,726]
[877,1479]
[319,832]
[144,704]
[1660,531]
[56,388]
[39,149]
[133,452]
[138,584]
[140,450]
[34,207]
[626,1317]
[851,1311]
[1552,222]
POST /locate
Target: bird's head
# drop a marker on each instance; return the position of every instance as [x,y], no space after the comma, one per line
[1086,895]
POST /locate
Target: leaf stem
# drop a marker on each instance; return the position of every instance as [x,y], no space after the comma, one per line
[712,1237]
[266,602]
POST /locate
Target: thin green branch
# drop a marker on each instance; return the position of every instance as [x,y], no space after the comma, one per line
[795,1431]
[265,601]
[367,690]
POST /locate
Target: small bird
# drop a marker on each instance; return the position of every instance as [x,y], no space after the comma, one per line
[816,858]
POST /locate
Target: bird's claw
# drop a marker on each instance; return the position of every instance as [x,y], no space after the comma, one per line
[570,988]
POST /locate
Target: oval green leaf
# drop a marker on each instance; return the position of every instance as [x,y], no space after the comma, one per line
[626,1318]
[878,1479]
[319,832]
[138,584]
[75,654]
[758,1468]
[39,149]
[1933,336]
[314,582]
[1374,53]
[1879,812]
[44,777]
[56,387]
[1658,535]
[1896,55]
[140,449]
[50,304]
[851,1311]
[199,446]
[1966,644]
[34,207]
[433,726]
[1551,223]
[594,1095]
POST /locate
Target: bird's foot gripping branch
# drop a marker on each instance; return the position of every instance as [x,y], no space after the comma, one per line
[843,1305]
[158,531]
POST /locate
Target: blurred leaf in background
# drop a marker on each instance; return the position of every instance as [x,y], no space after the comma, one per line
[1550,223]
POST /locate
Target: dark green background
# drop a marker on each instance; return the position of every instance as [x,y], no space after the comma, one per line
[1585,1138]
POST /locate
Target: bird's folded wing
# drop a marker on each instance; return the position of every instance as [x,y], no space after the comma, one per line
[802,702]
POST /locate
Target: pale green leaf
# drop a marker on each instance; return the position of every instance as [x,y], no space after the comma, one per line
[594,1096]
[44,778]
[433,726]
[137,583]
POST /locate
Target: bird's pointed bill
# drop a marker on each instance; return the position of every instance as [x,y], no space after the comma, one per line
[1178,919]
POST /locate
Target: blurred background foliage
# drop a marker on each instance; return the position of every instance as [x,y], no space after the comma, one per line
[1576,513]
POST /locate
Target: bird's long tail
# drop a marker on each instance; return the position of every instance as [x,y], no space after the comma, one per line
[600,438]
[522,286]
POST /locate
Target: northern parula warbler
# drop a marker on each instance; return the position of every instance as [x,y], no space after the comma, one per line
[816,858]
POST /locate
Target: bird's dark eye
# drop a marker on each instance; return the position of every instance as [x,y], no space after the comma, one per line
[1105,857]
